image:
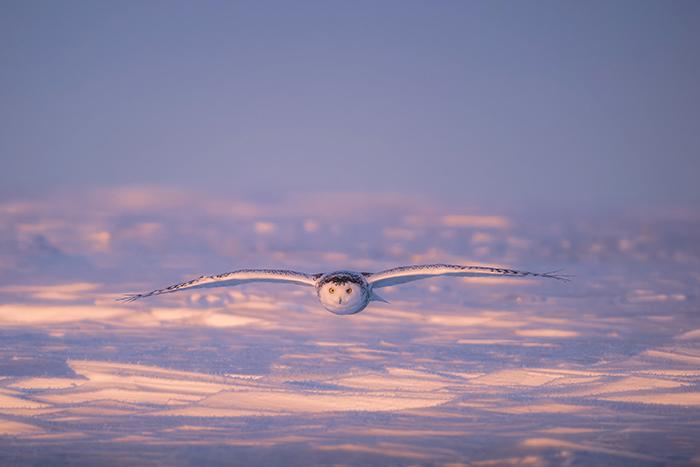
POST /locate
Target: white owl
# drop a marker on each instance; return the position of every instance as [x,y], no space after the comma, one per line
[343,292]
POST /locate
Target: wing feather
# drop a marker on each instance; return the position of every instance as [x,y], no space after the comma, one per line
[238,277]
[404,274]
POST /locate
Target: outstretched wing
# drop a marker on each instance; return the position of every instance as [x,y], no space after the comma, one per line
[241,276]
[405,274]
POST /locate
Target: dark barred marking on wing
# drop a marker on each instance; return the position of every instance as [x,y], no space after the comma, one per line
[240,276]
[405,274]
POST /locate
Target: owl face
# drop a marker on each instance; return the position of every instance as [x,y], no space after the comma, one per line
[342,296]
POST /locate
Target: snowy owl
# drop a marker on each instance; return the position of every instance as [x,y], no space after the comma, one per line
[343,292]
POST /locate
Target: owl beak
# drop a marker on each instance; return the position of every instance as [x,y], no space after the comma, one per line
[340,300]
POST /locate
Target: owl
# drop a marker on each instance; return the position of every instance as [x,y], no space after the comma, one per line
[343,292]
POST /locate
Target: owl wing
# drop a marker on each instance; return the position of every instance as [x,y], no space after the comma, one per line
[404,274]
[242,276]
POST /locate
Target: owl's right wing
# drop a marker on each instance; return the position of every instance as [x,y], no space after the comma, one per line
[405,274]
[242,276]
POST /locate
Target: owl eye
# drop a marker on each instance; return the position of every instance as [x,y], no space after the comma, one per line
[348,291]
[331,290]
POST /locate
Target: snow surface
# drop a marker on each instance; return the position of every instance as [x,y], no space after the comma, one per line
[488,371]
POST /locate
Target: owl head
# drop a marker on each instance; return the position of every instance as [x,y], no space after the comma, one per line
[343,293]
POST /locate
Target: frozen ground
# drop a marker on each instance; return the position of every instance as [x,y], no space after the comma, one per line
[604,370]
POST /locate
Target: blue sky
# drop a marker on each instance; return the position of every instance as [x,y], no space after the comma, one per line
[588,102]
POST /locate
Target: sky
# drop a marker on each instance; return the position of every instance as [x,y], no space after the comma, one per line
[507,102]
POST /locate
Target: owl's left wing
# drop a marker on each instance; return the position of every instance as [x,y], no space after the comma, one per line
[405,274]
[241,276]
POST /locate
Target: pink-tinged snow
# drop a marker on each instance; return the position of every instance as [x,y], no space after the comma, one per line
[485,371]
